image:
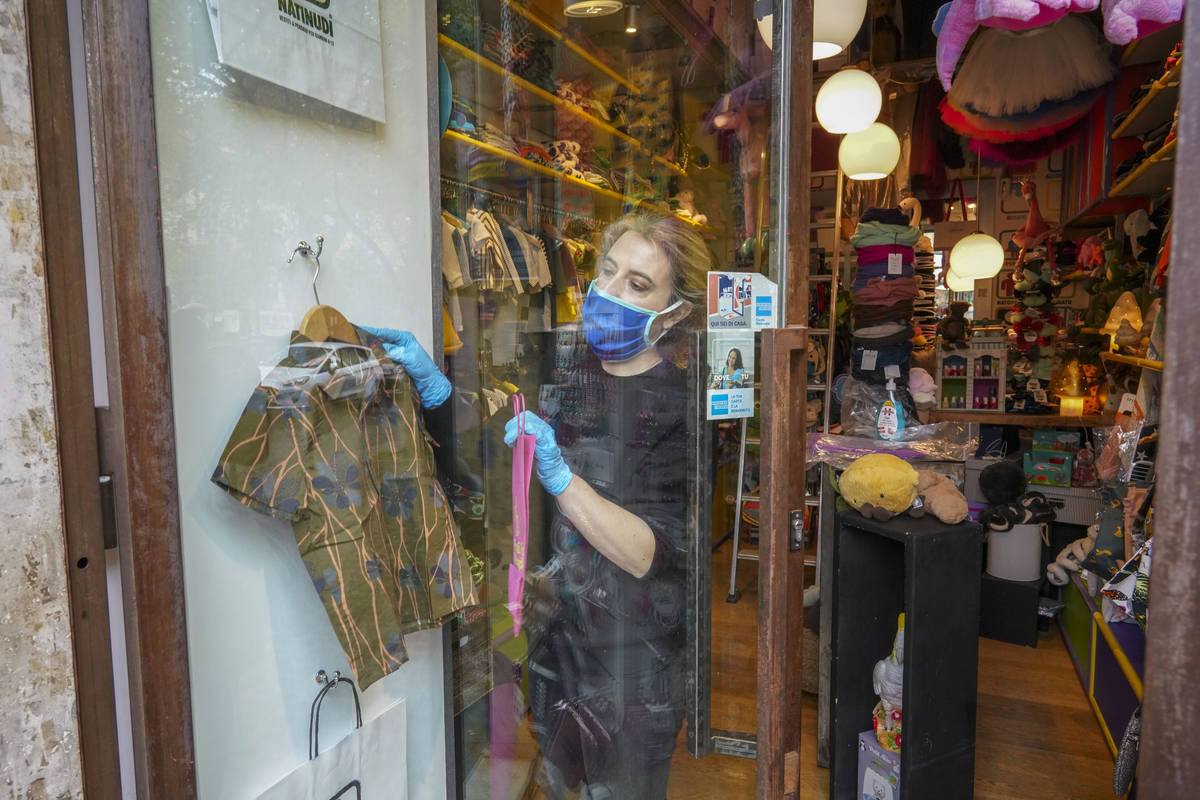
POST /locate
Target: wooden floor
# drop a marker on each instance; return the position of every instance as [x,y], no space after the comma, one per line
[1036,738]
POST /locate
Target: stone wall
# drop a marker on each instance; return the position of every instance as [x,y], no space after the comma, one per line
[39,741]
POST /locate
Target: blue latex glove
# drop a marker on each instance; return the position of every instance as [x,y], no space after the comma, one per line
[403,348]
[552,471]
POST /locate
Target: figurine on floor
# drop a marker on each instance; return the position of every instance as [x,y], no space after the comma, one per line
[888,682]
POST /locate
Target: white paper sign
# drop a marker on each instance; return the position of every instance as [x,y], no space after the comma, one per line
[868,359]
[895,265]
[741,300]
[326,49]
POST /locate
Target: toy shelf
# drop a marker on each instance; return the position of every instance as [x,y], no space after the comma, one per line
[1025,420]
[1156,107]
[1144,363]
[1152,177]
[971,380]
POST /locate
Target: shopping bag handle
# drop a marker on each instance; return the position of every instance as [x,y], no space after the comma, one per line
[314,714]
[519,406]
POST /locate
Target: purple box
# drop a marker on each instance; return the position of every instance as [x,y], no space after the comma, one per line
[878,770]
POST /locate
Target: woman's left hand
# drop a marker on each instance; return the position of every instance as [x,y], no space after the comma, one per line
[552,470]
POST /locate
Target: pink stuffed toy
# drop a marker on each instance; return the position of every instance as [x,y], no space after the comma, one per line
[1126,20]
[957,21]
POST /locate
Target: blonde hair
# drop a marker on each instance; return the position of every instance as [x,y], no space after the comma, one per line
[679,243]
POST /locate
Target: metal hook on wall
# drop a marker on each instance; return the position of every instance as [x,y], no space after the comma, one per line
[305,250]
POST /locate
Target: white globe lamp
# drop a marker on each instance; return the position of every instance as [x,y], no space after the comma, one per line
[849,101]
[835,24]
[869,154]
[957,283]
[591,8]
[977,256]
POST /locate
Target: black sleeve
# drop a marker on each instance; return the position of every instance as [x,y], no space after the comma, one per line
[439,423]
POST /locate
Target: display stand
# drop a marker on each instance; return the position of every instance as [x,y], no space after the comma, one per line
[931,572]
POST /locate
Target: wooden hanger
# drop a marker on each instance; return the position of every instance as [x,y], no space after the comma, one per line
[321,322]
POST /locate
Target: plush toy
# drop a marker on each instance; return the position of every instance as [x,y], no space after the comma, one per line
[812,412]
[1071,558]
[941,497]
[685,206]
[1126,20]
[955,329]
[922,387]
[1003,485]
[879,485]
[816,361]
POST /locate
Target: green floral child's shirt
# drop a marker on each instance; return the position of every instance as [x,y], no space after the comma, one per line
[332,441]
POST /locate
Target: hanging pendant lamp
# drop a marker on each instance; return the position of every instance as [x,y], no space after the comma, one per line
[849,101]
[591,8]
[957,283]
[869,154]
[978,255]
[835,24]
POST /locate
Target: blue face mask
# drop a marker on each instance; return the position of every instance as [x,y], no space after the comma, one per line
[617,330]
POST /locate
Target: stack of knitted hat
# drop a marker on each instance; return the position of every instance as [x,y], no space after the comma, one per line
[885,289]
[924,307]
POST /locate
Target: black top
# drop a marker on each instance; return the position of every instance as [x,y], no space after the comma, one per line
[627,437]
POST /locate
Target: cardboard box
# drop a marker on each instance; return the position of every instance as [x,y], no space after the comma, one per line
[878,770]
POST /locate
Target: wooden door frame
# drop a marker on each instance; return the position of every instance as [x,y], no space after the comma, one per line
[784,383]
[74,397]
[137,433]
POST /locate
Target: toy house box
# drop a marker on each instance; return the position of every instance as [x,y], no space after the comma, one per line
[878,770]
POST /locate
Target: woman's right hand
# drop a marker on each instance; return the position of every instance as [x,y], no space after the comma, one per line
[552,470]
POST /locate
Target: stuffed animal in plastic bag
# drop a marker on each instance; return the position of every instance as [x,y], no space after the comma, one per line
[879,486]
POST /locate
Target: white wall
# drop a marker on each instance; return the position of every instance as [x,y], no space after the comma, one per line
[247,170]
[39,737]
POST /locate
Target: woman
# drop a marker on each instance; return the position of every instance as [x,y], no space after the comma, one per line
[607,677]
[733,374]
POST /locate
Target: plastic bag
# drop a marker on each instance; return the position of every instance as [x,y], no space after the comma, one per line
[1118,449]
[861,402]
[943,441]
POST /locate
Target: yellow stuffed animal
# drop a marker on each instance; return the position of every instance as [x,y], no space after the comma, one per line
[879,485]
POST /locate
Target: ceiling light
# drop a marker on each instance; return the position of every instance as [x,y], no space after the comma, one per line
[835,24]
[977,256]
[870,154]
[631,25]
[957,283]
[591,8]
[849,101]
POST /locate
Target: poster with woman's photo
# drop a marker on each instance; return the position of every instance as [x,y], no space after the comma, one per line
[730,375]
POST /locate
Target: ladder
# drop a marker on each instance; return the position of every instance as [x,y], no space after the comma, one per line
[823,500]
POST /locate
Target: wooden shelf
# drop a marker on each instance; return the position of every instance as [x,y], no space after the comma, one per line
[491,66]
[550,172]
[1152,177]
[1026,420]
[1152,49]
[1157,107]
[554,33]
[1134,361]
[531,166]
[1100,213]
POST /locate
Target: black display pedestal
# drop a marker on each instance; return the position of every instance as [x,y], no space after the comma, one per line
[1009,610]
[929,571]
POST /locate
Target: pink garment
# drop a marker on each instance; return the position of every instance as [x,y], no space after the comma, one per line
[883,292]
[880,252]
[522,469]
[1126,20]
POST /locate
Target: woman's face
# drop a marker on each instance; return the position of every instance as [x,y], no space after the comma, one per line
[731,361]
[634,270]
